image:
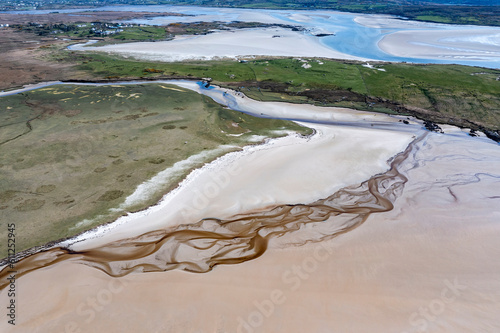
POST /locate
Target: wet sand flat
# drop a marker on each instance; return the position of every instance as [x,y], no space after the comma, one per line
[471,44]
[411,249]
[427,265]
[370,225]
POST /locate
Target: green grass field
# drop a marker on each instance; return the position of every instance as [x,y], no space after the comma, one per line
[141,34]
[71,153]
[460,93]
[434,18]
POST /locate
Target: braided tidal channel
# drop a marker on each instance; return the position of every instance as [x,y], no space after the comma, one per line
[201,246]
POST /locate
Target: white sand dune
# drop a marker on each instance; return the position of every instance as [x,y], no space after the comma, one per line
[226,44]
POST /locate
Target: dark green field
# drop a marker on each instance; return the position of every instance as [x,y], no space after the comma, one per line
[461,95]
[68,154]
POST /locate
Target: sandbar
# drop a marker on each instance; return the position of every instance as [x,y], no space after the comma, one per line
[470,44]
[227,45]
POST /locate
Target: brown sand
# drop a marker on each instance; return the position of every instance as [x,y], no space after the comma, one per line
[428,265]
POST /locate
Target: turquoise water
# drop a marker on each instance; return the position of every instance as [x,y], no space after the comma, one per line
[350,37]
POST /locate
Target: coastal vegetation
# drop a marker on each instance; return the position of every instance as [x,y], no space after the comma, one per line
[133,32]
[70,154]
[112,33]
[461,95]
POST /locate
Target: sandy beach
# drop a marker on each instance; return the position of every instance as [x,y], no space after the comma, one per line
[354,37]
[472,44]
[263,176]
[380,21]
[428,265]
[227,44]
[369,225]
[435,41]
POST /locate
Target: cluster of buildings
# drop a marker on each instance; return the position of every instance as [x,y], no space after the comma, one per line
[108,28]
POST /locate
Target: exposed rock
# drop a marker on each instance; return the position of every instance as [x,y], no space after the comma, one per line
[429,125]
[493,135]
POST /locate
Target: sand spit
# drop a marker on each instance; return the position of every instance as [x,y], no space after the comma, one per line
[470,44]
[226,44]
[295,169]
[357,147]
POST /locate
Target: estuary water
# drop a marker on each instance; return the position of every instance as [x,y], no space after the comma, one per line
[349,35]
